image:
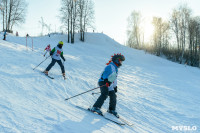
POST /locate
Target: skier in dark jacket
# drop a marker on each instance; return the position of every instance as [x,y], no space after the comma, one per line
[56,53]
[108,83]
[4,35]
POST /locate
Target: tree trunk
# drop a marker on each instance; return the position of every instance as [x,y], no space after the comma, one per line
[68,30]
[71,29]
[10,12]
[6,14]
[3,21]
[199,56]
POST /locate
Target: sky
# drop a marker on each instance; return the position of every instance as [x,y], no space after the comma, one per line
[110,15]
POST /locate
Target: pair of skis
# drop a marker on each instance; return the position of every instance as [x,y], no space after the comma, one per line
[124,122]
[48,76]
[51,76]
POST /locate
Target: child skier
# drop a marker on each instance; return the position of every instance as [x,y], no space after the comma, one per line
[108,83]
[56,53]
[48,49]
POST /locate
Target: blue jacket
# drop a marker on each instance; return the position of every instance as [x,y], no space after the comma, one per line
[109,69]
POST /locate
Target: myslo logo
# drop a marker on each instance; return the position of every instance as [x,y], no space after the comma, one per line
[184,128]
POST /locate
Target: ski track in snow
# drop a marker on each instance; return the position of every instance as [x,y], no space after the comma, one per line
[154,94]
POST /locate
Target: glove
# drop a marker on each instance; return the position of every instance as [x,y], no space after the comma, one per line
[115,88]
[51,53]
[63,59]
[107,82]
[107,85]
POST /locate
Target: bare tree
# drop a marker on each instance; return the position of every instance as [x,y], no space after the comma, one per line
[69,16]
[160,35]
[134,30]
[77,14]
[6,8]
[2,8]
[175,20]
[157,22]
[81,6]
[65,16]
[194,39]
[185,17]
[73,7]
[88,17]
[179,21]
[181,27]
[15,12]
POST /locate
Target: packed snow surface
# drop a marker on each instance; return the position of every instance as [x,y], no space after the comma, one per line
[156,95]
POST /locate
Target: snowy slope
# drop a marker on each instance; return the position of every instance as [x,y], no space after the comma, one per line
[154,94]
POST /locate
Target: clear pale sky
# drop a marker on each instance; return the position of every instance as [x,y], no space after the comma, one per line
[110,15]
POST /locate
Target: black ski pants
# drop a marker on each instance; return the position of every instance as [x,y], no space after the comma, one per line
[53,63]
[4,37]
[104,94]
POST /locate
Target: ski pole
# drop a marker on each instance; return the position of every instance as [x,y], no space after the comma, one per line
[41,62]
[95,93]
[84,92]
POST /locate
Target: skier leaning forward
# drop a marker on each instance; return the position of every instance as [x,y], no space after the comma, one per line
[56,53]
[108,81]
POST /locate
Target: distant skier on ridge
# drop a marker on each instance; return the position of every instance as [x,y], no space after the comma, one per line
[4,35]
[109,80]
[56,53]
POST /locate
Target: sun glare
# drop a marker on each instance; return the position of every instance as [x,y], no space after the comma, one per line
[148,30]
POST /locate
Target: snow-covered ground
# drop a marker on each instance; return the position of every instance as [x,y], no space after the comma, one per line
[157,95]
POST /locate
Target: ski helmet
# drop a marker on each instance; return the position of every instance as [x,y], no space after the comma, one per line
[117,58]
[61,43]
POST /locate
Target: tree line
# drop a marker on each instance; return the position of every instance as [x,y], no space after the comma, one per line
[13,13]
[77,16]
[177,38]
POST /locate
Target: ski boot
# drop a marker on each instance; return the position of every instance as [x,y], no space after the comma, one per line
[64,76]
[113,112]
[97,110]
[45,72]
